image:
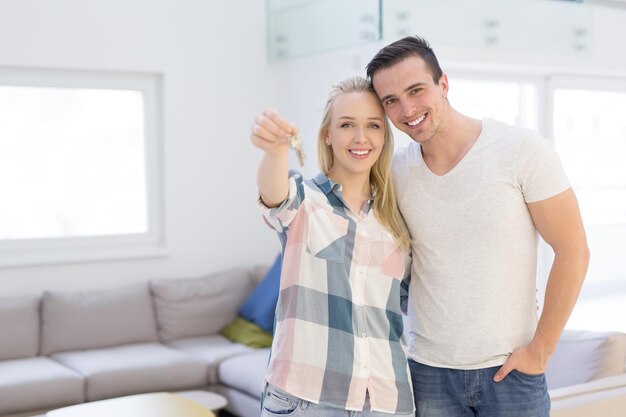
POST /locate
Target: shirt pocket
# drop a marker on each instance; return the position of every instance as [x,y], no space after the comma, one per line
[326,236]
[393,257]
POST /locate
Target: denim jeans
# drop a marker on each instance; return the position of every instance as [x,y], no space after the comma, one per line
[441,392]
[276,402]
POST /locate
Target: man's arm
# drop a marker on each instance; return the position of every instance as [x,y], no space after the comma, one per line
[558,221]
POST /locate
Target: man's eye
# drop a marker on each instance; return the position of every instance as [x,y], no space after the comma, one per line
[390,101]
[416,90]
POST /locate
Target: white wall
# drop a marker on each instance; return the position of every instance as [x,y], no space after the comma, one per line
[212,55]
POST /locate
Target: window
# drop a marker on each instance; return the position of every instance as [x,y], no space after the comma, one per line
[590,137]
[512,102]
[79,156]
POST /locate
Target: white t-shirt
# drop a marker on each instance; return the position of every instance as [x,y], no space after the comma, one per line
[472,297]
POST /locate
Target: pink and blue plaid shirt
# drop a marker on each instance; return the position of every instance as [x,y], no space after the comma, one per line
[338,326]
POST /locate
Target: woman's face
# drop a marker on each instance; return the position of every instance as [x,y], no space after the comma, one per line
[356,133]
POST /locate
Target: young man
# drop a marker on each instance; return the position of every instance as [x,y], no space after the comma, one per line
[474,194]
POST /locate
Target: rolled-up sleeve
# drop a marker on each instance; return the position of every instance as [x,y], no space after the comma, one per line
[279,218]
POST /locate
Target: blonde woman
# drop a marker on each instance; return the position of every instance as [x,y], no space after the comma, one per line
[336,348]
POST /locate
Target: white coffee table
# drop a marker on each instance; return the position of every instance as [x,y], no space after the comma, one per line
[207,399]
[158,404]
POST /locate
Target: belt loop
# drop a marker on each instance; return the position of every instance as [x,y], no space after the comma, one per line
[265,383]
[304,404]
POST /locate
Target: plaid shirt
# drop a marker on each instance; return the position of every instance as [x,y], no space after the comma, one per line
[339,318]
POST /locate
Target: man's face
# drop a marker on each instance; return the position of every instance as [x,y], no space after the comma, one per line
[413,102]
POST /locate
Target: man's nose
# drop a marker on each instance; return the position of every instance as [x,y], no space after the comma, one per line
[407,107]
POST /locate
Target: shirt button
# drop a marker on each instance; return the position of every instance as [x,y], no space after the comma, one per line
[365,243]
[363,334]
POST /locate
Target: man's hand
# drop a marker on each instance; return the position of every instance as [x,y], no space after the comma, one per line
[529,359]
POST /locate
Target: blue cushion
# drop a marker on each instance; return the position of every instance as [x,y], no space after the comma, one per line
[260,306]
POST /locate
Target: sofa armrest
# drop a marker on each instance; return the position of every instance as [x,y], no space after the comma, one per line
[604,397]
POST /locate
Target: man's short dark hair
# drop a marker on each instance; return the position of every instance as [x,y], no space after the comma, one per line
[401,49]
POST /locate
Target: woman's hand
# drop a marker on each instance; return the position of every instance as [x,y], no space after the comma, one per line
[270,132]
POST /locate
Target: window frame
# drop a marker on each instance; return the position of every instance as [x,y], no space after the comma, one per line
[152,243]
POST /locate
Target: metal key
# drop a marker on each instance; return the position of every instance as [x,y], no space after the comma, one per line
[295,143]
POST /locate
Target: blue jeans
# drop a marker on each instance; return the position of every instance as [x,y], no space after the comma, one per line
[277,403]
[442,392]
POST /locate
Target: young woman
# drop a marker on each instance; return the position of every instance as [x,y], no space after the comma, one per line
[337,348]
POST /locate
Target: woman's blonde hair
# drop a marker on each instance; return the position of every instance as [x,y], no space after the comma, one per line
[385,207]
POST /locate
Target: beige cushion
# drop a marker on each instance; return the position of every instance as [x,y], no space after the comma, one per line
[199,306]
[583,356]
[605,397]
[19,324]
[95,319]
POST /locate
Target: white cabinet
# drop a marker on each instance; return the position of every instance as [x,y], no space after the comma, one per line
[303,27]
[542,26]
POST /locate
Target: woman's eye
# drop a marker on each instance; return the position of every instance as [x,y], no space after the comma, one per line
[344,125]
[375,126]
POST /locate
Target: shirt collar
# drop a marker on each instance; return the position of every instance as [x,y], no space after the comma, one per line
[328,186]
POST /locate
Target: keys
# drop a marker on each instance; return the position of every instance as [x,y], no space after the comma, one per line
[295,143]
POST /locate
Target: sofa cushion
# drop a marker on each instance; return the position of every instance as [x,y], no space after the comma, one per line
[245,372]
[95,319]
[199,306]
[133,369]
[260,306]
[19,321]
[211,350]
[583,356]
[28,384]
[247,333]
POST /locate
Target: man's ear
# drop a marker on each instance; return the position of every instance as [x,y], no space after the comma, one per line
[443,83]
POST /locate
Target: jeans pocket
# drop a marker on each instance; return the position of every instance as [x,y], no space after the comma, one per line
[278,402]
[524,374]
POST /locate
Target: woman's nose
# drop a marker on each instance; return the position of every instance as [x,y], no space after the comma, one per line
[359,136]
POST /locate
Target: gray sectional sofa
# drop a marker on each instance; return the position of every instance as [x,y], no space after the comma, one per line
[66,348]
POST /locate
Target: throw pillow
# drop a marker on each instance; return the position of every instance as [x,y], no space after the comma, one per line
[260,306]
[241,330]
